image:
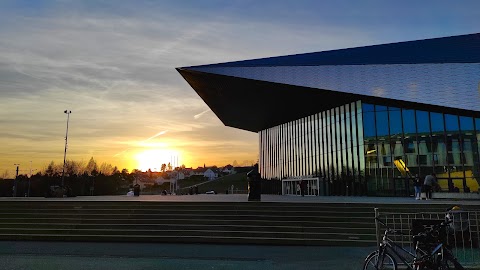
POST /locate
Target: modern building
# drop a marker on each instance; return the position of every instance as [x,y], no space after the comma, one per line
[357,121]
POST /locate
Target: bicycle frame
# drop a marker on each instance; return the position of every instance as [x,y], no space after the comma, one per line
[430,250]
[390,246]
[408,258]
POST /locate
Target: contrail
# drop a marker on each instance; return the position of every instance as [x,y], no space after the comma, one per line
[117,154]
[154,136]
[200,114]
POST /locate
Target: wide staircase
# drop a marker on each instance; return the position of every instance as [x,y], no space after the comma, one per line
[195,222]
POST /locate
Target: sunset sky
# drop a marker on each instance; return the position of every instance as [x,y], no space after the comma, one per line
[112,63]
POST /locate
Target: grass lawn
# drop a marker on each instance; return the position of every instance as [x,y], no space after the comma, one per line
[220,185]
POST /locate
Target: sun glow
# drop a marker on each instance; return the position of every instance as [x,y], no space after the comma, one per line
[154,158]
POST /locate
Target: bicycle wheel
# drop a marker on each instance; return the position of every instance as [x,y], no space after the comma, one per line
[376,262]
[449,262]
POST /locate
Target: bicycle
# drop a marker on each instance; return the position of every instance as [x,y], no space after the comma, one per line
[430,251]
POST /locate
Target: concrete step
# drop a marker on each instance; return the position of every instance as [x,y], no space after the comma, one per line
[183,227]
[197,222]
[354,241]
[204,221]
[193,212]
[269,217]
[237,232]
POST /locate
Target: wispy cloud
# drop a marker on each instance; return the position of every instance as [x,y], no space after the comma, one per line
[113,64]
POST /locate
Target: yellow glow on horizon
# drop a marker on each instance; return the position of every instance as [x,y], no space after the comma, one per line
[154,158]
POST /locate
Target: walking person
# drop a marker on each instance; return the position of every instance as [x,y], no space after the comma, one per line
[417,185]
[428,184]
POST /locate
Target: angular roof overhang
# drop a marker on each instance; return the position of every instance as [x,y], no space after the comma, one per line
[453,49]
[256,104]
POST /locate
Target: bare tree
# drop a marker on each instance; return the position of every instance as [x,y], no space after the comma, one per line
[91,167]
[53,169]
[5,174]
[106,169]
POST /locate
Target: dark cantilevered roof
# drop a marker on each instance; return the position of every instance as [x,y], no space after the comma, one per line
[455,49]
[261,93]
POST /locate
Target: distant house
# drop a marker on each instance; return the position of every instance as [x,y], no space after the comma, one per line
[199,171]
[160,180]
[176,175]
[187,172]
[144,182]
[229,169]
[210,174]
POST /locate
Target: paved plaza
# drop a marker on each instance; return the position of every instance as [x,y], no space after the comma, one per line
[244,198]
[132,256]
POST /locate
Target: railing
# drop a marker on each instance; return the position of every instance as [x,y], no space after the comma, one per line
[463,234]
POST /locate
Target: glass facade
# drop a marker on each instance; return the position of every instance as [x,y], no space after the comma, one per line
[367,149]
[328,145]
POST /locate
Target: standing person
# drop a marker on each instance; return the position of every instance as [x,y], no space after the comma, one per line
[417,185]
[428,184]
[303,187]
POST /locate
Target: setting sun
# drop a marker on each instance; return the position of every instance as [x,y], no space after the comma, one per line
[154,158]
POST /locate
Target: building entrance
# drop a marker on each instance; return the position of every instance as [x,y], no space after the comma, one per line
[314,187]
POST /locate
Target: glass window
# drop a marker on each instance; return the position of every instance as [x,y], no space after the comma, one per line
[367,107]
[354,128]
[337,142]
[395,121]
[410,150]
[437,122]
[380,108]
[451,123]
[477,124]
[348,134]
[382,122]
[466,123]
[369,124]
[409,121]
[423,123]
[440,149]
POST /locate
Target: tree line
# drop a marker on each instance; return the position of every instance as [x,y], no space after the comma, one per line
[82,178]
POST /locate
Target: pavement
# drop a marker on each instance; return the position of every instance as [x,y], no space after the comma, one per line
[16,255]
[244,198]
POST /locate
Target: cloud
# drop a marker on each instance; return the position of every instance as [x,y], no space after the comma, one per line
[113,64]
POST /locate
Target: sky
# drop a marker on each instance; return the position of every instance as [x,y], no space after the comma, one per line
[112,64]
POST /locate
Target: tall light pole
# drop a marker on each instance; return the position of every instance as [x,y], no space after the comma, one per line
[29,178]
[14,193]
[66,143]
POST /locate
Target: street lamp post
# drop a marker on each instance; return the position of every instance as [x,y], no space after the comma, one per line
[14,193]
[66,143]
